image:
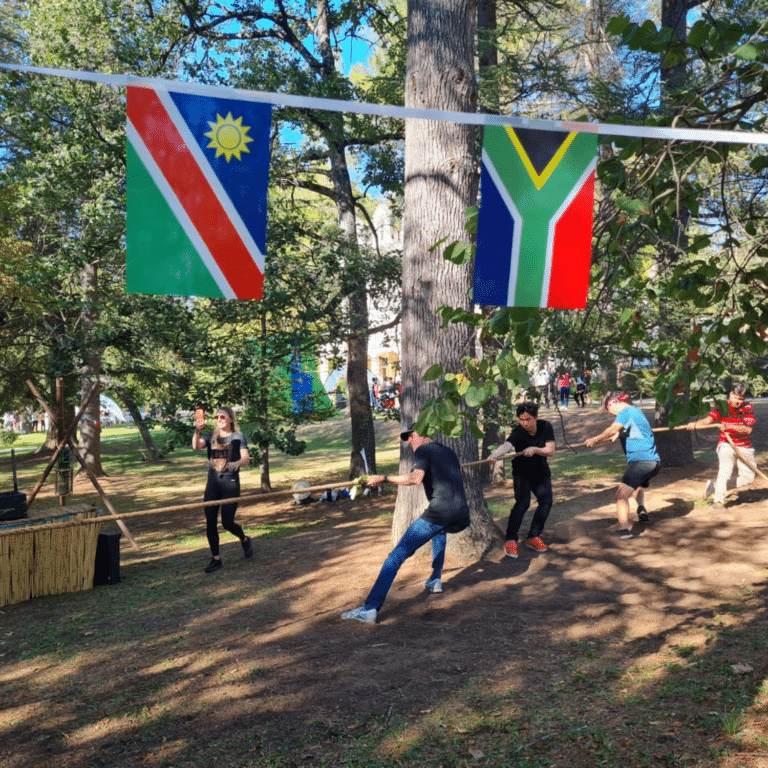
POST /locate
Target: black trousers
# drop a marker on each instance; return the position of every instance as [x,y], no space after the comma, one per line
[219,487]
[541,488]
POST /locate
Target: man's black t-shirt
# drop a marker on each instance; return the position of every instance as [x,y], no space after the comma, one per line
[531,466]
[443,486]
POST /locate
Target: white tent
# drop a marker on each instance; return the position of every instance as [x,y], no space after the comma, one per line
[111,408]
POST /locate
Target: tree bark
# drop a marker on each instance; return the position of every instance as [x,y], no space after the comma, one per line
[266,483]
[441,179]
[675,448]
[358,401]
[90,428]
[53,436]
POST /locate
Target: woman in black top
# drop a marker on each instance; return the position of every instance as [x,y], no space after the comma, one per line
[227,452]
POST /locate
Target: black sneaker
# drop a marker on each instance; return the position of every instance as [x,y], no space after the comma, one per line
[624,533]
[247,547]
[642,514]
[214,565]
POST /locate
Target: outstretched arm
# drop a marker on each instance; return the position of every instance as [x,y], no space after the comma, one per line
[416,477]
[607,434]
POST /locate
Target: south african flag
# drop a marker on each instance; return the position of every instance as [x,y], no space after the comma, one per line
[535,223]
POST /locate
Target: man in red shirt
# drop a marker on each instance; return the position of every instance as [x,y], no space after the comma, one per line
[738,424]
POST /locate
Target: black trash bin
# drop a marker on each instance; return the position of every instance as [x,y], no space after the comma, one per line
[107,570]
[13,505]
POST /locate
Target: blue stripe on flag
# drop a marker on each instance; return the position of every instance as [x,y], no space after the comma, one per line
[493,257]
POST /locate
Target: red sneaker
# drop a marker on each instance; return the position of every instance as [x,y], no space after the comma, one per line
[536,544]
[511,548]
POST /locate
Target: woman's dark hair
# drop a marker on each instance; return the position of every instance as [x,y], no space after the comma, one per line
[739,389]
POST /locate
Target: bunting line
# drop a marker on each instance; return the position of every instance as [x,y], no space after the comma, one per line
[412,113]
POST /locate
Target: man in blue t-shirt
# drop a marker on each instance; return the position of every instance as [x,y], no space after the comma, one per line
[643,462]
[437,468]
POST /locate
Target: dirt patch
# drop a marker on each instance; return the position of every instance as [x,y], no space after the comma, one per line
[256,656]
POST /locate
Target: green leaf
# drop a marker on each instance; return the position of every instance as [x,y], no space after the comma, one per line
[677,414]
[476,395]
[508,366]
[499,322]
[471,214]
[477,433]
[433,373]
[699,34]
[631,206]
[524,345]
[747,52]
[617,24]
[458,253]
[437,245]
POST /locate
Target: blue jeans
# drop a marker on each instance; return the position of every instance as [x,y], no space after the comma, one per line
[418,534]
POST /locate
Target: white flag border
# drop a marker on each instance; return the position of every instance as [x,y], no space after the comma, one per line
[387,110]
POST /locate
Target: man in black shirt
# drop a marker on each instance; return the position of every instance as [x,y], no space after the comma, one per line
[534,441]
[437,468]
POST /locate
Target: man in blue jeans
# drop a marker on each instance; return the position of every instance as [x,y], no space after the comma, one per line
[437,468]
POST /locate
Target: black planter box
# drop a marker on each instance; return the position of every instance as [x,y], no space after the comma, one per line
[13,505]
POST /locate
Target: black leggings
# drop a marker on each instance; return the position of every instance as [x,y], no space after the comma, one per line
[221,486]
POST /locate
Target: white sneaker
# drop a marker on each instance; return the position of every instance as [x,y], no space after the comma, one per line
[435,586]
[709,490]
[366,615]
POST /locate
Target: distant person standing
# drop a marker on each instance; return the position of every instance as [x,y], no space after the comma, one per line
[643,462]
[541,382]
[564,385]
[535,439]
[587,377]
[227,452]
[437,468]
[738,423]
[581,389]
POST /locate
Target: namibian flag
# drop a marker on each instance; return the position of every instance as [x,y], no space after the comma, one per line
[198,169]
[534,231]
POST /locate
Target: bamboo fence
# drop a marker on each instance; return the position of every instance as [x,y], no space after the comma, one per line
[40,557]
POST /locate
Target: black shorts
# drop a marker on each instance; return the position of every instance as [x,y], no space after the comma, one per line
[640,473]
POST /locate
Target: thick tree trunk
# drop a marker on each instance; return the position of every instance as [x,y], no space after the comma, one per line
[441,177]
[675,448]
[266,484]
[358,401]
[53,437]
[494,434]
[90,429]
[263,444]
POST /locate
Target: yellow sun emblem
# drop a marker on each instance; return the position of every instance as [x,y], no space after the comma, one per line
[228,136]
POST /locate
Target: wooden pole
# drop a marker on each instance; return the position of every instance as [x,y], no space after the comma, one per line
[743,458]
[185,507]
[63,437]
[68,441]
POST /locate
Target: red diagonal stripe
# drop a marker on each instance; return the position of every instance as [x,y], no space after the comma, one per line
[153,123]
[572,251]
